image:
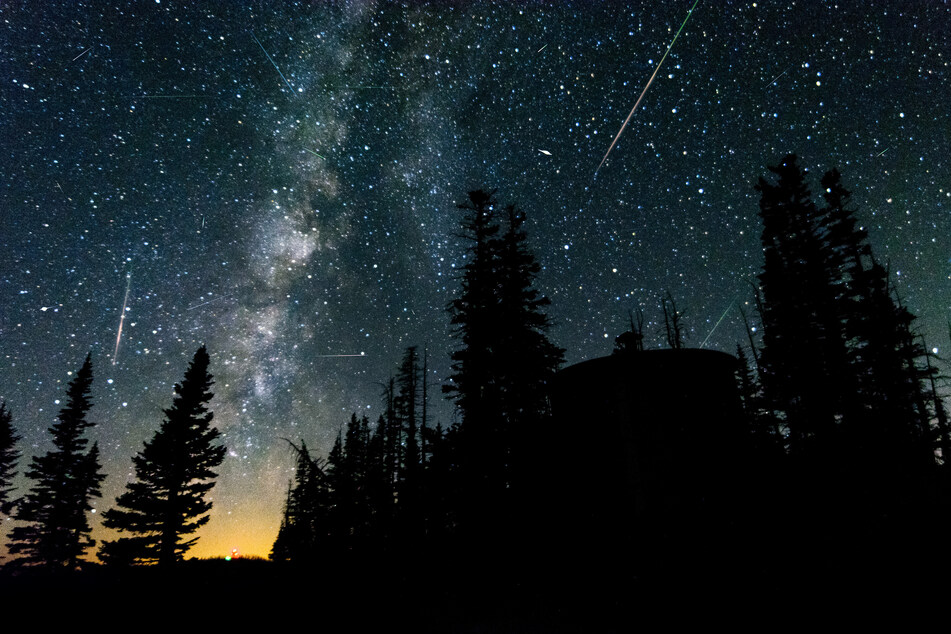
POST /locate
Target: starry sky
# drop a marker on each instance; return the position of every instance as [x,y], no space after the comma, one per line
[279,181]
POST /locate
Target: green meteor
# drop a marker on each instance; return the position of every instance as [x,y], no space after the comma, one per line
[649,82]
[718,323]
[315,153]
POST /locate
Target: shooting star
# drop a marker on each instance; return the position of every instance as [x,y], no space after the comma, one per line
[541,49]
[272,63]
[545,152]
[326,356]
[778,76]
[168,96]
[125,300]
[649,82]
[718,322]
[210,301]
[315,153]
[81,54]
[882,152]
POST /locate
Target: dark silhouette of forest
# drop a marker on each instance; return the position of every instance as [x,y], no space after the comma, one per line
[814,456]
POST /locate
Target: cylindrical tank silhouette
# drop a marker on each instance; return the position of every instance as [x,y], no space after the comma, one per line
[644,447]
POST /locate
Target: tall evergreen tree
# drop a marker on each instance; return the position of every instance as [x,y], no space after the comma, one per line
[305,511]
[283,547]
[503,361]
[526,359]
[380,492]
[57,530]
[840,365]
[408,406]
[472,384]
[174,472]
[8,456]
[885,401]
[803,351]
[339,502]
[355,456]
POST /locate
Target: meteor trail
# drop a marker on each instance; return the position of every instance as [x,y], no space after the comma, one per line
[649,82]
[778,76]
[169,96]
[541,49]
[718,322]
[217,299]
[272,63]
[325,356]
[315,153]
[81,54]
[125,300]
[882,152]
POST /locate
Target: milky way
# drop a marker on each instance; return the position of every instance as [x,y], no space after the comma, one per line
[281,184]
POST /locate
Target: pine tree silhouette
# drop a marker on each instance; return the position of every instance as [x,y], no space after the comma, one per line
[842,370]
[526,359]
[305,511]
[501,366]
[409,409]
[64,482]
[472,384]
[803,352]
[8,456]
[174,472]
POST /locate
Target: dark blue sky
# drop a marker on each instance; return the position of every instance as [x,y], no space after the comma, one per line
[280,184]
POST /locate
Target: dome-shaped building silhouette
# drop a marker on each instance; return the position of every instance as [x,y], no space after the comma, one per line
[643,454]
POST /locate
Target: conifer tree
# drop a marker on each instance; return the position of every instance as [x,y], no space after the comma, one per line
[942,424]
[379,482]
[840,365]
[885,402]
[304,519]
[763,432]
[407,406]
[472,384]
[503,360]
[526,359]
[355,452]
[283,546]
[57,530]
[803,351]
[391,436]
[8,456]
[174,473]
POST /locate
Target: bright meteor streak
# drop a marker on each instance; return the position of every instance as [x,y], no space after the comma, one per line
[778,76]
[272,63]
[718,322]
[125,300]
[649,82]
[81,54]
[332,356]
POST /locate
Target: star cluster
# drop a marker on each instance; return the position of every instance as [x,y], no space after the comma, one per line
[279,181]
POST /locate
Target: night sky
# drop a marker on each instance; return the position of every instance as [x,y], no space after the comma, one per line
[281,184]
